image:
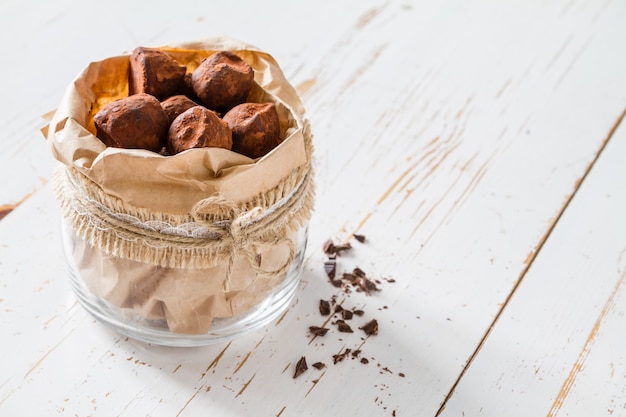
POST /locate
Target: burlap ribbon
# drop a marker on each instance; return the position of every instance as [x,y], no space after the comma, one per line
[216,231]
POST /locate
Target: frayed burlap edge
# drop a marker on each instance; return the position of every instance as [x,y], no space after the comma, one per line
[217,235]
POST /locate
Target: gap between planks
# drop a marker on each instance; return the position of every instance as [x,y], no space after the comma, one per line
[529,261]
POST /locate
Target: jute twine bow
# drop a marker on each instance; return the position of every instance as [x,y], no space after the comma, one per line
[244,235]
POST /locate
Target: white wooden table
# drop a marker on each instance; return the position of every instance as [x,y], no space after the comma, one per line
[479,146]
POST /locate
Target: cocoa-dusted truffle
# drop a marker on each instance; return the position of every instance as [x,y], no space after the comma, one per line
[134,122]
[154,72]
[175,105]
[198,127]
[255,127]
[222,81]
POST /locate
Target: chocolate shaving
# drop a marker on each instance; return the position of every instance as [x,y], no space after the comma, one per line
[367,285]
[341,356]
[357,279]
[329,247]
[358,272]
[318,331]
[300,367]
[330,267]
[342,247]
[324,308]
[360,238]
[350,278]
[319,365]
[343,327]
[359,313]
[332,250]
[370,328]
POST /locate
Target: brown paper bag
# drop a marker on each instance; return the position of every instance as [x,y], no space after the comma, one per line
[176,237]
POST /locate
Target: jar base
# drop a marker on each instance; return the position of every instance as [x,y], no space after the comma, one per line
[131,323]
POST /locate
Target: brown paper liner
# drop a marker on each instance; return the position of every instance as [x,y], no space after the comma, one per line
[177,237]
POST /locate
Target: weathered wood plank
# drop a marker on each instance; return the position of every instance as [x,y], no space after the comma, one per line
[451,135]
[558,348]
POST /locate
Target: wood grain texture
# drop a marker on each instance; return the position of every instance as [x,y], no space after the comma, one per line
[453,136]
[558,348]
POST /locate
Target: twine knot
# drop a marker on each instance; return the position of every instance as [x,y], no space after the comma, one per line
[244,234]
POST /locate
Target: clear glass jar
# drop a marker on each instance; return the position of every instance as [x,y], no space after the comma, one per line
[178,307]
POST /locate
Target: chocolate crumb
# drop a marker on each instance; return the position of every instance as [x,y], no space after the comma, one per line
[360,238]
[338,308]
[390,280]
[358,279]
[341,356]
[336,282]
[318,331]
[300,367]
[328,247]
[350,278]
[356,353]
[324,308]
[346,314]
[330,267]
[393,413]
[331,249]
[319,365]
[364,361]
[368,286]
[343,327]
[370,328]
[359,313]
[342,247]
[358,272]
[401,374]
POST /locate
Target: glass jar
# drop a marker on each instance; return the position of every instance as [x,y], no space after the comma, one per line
[180,307]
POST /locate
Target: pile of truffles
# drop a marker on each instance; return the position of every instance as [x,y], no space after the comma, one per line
[169,110]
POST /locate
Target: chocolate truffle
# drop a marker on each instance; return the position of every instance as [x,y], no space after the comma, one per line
[134,122]
[198,127]
[175,105]
[255,127]
[154,72]
[222,81]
